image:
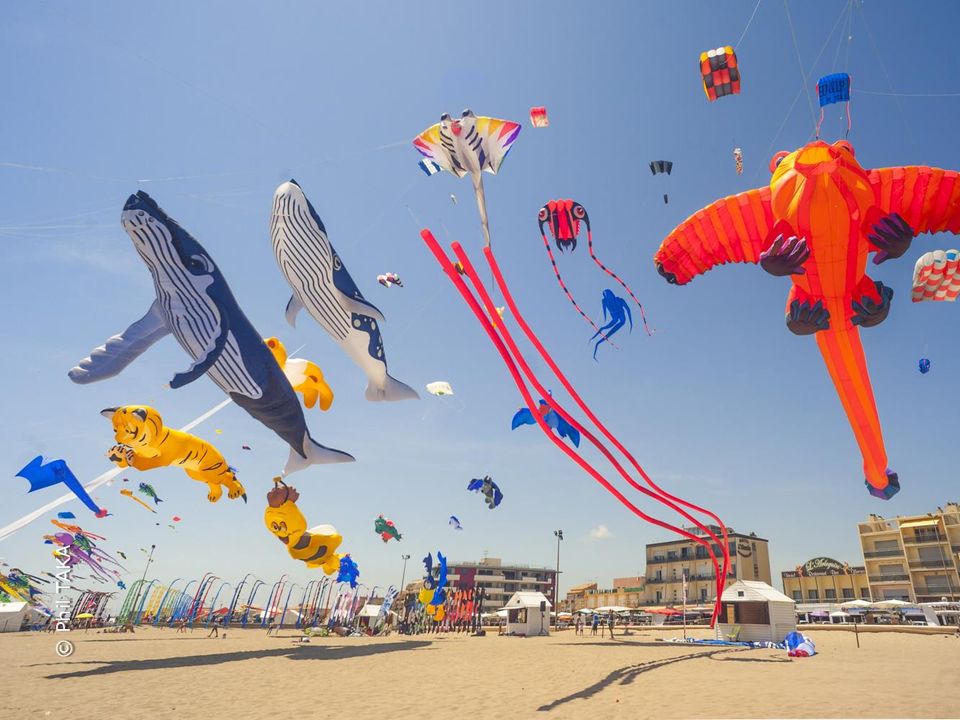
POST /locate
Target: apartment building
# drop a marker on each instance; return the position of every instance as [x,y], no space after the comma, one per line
[501,580]
[913,557]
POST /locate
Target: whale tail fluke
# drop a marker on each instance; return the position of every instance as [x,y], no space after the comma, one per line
[391,391]
[317,454]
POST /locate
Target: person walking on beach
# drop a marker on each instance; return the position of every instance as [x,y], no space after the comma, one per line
[578,628]
[594,623]
[215,630]
[610,623]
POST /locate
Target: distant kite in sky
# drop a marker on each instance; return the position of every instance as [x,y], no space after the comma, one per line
[386,529]
[349,572]
[563,219]
[315,547]
[523,416]
[793,227]
[454,522]
[470,146]
[66,515]
[738,160]
[56,472]
[834,88]
[936,276]
[488,488]
[440,387]
[148,490]
[389,279]
[719,72]
[538,117]
[662,166]
[616,308]
[129,493]
[924,366]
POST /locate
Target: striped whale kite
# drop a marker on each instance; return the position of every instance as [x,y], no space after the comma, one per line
[321,284]
[194,304]
[793,228]
[470,146]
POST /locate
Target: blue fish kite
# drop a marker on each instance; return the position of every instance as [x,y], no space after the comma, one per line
[66,515]
[523,416]
[618,311]
[194,304]
[455,523]
[149,492]
[349,572]
[56,472]
[121,585]
[924,366]
[488,488]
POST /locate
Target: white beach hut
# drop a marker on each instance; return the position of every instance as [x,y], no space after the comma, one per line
[13,615]
[754,611]
[528,613]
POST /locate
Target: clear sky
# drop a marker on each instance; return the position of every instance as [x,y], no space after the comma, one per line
[209,106]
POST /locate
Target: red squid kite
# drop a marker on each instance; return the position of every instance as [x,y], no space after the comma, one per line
[795,227]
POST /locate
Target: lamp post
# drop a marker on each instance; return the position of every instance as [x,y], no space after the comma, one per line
[144,577]
[556,580]
[404,575]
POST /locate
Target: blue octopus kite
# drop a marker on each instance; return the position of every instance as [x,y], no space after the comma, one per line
[618,310]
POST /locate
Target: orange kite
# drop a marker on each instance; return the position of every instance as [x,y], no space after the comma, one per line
[816,222]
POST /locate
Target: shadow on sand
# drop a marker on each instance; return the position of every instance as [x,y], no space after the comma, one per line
[626,675]
[297,652]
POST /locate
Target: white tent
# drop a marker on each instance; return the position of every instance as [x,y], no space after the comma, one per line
[856,604]
[528,614]
[754,611]
[14,614]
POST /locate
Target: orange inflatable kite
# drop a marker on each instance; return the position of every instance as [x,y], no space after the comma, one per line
[817,221]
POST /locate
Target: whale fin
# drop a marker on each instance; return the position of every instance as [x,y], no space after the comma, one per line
[361,307]
[202,364]
[112,357]
[316,454]
[293,307]
[392,391]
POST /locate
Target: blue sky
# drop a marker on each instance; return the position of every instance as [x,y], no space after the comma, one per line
[209,106]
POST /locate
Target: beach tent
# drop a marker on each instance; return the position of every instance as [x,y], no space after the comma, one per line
[839,616]
[856,604]
[527,614]
[754,611]
[13,615]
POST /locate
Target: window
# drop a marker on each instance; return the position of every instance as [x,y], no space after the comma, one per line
[703,594]
[797,595]
[848,593]
[865,593]
[830,594]
[813,595]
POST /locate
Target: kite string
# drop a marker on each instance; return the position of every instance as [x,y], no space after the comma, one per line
[796,47]
[749,22]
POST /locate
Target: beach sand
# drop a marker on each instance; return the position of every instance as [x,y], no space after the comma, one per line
[159,674]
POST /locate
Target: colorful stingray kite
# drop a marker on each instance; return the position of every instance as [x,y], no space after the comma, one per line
[793,228]
[936,276]
[719,72]
[481,305]
[563,218]
[469,146]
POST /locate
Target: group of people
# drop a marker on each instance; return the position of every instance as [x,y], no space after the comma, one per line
[596,622]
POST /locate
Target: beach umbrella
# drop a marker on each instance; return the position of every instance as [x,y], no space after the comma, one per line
[84,616]
[856,604]
[892,604]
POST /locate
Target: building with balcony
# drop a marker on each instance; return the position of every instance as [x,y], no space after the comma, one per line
[825,580]
[500,580]
[913,557]
[667,562]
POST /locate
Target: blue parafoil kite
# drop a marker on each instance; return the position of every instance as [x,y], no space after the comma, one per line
[56,472]
[833,88]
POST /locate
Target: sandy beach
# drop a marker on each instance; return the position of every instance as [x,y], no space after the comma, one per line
[159,674]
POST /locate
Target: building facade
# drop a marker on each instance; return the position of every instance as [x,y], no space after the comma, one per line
[667,562]
[501,580]
[825,580]
[913,557]
[626,592]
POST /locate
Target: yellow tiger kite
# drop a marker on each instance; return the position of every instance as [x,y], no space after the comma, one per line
[144,443]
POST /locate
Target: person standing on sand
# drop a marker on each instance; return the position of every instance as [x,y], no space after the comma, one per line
[594,622]
[611,620]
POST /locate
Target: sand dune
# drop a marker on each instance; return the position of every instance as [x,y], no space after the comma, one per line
[159,674]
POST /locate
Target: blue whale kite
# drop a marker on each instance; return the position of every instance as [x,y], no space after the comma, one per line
[194,303]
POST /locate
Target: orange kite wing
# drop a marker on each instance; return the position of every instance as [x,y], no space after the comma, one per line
[734,229]
[927,198]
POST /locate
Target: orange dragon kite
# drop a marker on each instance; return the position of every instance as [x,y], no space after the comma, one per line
[816,222]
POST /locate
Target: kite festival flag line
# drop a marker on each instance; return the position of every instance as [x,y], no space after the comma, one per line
[10,529]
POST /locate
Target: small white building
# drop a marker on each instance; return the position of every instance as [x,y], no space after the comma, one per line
[14,615]
[528,613]
[753,611]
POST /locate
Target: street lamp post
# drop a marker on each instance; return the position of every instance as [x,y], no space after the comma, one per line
[403,577]
[144,577]
[556,581]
